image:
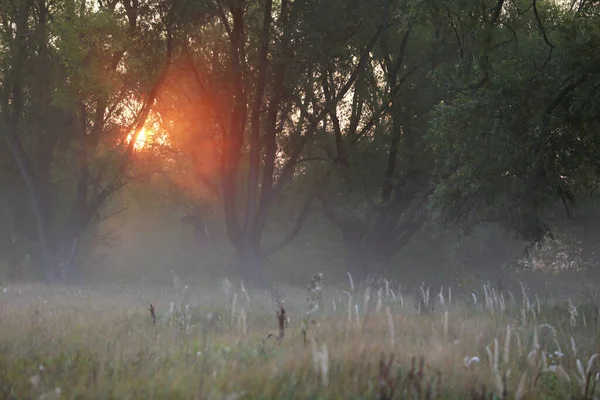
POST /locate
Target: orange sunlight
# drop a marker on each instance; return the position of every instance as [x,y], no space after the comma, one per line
[148,136]
[141,139]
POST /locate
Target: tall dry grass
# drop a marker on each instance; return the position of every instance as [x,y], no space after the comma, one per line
[364,341]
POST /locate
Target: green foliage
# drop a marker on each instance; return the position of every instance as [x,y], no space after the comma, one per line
[524,140]
[85,70]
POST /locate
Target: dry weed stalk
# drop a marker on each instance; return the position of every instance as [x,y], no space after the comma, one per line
[446,324]
[481,395]
[400,296]
[572,309]
[349,305]
[280,314]
[226,288]
[242,322]
[367,299]
[180,308]
[315,295]
[591,385]
[387,386]
[379,303]
[245,292]
[152,314]
[586,386]
[315,303]
[321,362]
[423,303]
[351,282]
[390,319]
[281,321]
[410,387]
[415,379]
[233,307]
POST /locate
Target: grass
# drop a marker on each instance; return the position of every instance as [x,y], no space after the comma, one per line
[367,342]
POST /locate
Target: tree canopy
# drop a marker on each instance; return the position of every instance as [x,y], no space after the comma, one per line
[384,120]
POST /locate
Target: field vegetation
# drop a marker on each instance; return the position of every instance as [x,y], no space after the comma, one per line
[448,149]
[368,340]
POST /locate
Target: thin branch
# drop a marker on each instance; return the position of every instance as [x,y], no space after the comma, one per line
[385,107]
[310,159]
[543,65]
[104,218]
[460,46]
[255,143]
[202,86]
[517,8]
[539,22]
[333,116]
[401,53]
[563,93]
[514,33]
[143,116]
[497,11]
[565,203]
[223,18]
[288,168]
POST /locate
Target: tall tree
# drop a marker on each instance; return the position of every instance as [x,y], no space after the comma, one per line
[259,92]
[518,138]
[382,170]
[67,126]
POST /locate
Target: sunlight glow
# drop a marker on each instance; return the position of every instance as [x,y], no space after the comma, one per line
[141,139]
[149,136]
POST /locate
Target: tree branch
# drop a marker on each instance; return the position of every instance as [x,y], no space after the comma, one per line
[497,11]
[271,126]
[310,159]
[104,218]
[289,166]
[252,191]
[385,107]
[539,22]
[223,18]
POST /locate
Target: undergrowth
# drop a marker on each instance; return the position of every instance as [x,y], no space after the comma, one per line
[362,342]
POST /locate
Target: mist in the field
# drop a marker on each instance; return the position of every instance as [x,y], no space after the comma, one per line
[156,237]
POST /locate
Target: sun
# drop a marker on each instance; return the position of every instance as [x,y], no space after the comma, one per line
[142,138]
[149,136]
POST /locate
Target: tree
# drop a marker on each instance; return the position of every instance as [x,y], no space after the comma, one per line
[257,91]
[67,126]
[380,169]
[519,136]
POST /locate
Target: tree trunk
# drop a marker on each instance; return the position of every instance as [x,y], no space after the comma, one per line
[66,260]
[252,262]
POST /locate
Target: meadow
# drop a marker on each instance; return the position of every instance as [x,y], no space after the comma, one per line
[362,340]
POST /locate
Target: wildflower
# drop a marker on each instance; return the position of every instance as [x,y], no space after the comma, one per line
[471,360]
